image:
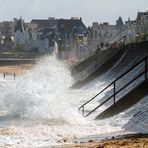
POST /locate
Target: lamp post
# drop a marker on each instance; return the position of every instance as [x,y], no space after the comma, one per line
[73,38]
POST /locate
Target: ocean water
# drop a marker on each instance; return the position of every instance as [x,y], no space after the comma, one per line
[41,109]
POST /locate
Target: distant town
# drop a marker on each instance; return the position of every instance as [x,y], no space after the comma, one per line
[71,37]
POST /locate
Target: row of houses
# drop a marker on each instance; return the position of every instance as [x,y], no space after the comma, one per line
[105,35]
[41,35]
[71,36]
[137,30]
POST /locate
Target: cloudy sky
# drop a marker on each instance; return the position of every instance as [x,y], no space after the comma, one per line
[89,10]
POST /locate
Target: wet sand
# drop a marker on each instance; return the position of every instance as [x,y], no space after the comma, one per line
[125,141]
[17,69]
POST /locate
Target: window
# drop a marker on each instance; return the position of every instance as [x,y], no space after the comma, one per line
[95,34]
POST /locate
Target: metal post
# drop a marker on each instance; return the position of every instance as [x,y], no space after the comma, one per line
[14,75]
[83,111]
[114,92]
[146,68]
[4,75]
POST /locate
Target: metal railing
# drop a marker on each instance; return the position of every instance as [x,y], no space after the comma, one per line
[113,84]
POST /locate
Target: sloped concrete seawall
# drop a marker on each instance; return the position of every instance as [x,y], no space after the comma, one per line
[84,69]
[102,61]
[14,61]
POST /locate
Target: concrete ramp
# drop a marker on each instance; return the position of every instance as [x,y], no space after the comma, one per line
[127,101]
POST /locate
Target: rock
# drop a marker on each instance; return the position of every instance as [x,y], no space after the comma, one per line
[90,141]
[64,140]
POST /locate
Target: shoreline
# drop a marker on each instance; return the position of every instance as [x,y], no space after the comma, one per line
[17,69]
[108,140]
[138,140]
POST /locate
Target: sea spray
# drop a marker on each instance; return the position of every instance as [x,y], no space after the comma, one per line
[45,83]
[42,99]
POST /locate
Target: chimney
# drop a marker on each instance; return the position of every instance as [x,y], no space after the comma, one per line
[74,18]
[51,18]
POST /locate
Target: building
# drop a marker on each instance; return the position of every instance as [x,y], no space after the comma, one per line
[136,30]
[103,35]
[44,23]
[6,33]
[46,39]
[33,29]
[130,31]
[142,26]
[119,24]
[7,28]
[22,36]
[70,35]
[72,38]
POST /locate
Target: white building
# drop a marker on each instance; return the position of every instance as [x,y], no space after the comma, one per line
[144,19]
[42,45]
[130,31]
[140,26]
[137,30]
[21,35]
[104,34]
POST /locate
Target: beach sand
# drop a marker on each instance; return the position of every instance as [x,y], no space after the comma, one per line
[125,141]
[17,69]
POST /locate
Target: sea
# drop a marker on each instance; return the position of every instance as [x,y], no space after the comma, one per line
[40,109]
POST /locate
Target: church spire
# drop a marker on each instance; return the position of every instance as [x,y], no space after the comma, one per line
[20,25]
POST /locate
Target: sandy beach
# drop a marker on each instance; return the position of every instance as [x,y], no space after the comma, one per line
[126,141]
[17,69]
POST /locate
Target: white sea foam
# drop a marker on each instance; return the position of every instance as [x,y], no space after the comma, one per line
[40,108]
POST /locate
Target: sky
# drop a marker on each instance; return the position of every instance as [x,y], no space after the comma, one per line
[89,10]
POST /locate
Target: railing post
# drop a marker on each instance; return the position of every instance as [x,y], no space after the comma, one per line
[83,111]
[114,99]
[144,61]
[4,75]
[14,75]
[146,68]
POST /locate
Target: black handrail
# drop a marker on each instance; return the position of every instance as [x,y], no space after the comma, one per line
[114,86]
